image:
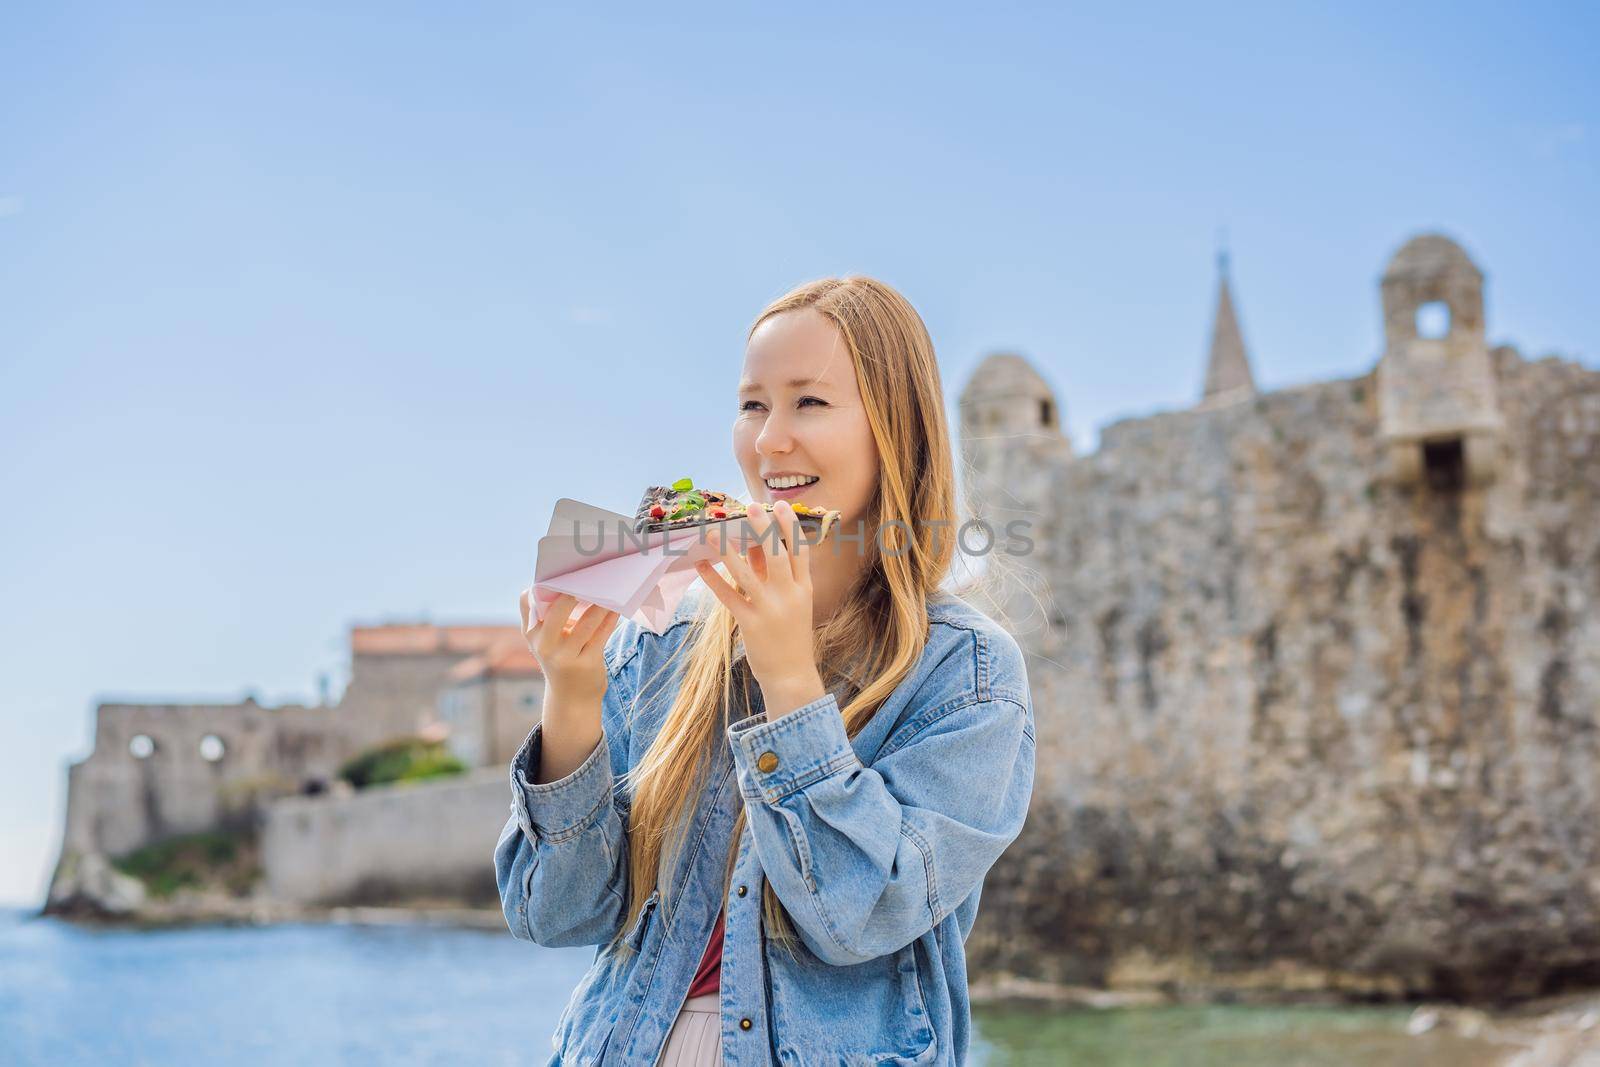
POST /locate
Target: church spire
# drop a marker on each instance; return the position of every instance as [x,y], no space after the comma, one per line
[1228,376]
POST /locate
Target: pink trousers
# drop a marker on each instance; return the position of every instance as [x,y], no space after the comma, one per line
[696,1036]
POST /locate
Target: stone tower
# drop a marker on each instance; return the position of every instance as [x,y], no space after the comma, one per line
[1013,442]
[1439,416]
[1228,377]
[1007,397]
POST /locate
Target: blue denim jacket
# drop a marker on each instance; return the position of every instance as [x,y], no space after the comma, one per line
[877,846]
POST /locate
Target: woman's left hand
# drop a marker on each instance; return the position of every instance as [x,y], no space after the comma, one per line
[771,600]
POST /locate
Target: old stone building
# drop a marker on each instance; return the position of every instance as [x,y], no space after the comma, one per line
[161,770]
[398,673]
[1316,671]
[491,703]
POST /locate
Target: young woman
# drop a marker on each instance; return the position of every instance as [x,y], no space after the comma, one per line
[775,817]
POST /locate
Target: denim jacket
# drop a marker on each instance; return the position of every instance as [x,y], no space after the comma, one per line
[877,847]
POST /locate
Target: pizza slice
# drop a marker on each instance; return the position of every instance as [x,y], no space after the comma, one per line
[669,508]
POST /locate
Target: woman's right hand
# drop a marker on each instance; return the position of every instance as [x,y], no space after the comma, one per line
[571,654]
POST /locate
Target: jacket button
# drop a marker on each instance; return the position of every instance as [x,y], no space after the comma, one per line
[767,761]
[744,1024]
[741,891]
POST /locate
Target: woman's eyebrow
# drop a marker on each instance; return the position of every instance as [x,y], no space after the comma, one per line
[793,383]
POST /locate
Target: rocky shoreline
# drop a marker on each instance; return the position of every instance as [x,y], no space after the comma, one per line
[252,911]
[1559,1031]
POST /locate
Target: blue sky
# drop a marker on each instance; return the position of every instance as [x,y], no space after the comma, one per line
[307,318]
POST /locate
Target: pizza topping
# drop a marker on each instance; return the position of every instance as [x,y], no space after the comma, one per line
[680,505]
[689,502]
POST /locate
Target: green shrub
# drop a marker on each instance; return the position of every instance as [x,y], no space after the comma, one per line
[405,759]
[225,857]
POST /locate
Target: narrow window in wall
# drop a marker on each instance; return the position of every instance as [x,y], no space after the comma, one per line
[1445,464]
[1433,320]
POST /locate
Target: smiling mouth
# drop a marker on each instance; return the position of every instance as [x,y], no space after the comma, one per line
[790,490]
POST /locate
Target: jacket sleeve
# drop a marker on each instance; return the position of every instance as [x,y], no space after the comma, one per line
[561,860]
[868,859]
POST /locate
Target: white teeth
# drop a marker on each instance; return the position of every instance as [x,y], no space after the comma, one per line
[788,483]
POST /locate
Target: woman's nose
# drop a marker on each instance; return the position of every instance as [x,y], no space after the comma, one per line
[774,438]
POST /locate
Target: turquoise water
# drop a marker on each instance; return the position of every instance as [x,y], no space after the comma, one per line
[1228,1036]
[334,994]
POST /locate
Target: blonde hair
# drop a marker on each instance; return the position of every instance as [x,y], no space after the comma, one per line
[880,628]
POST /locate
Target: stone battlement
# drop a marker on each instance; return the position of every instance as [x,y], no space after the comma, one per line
[1316,672]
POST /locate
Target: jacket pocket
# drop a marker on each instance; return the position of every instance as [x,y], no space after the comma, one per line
[641,925]
[873,1012]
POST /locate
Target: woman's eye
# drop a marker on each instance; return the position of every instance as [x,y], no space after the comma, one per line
[746,405]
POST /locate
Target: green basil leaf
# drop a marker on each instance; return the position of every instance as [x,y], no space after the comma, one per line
[682,485]
[687,503]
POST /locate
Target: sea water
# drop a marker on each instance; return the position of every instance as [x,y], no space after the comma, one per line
[409,994]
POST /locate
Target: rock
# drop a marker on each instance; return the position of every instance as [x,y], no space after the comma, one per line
[1422,1020]
[88,886]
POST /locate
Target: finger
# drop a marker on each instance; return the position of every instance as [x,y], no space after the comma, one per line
[802,553]
[769,532]
[602,629]
[769,538]
[738,567]
[555,620]
[773,541]
[757,560]
[790,523]
[526,610]
[732,598]
[584,628]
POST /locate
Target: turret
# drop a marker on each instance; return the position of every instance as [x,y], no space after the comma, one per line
[1012,444]
[1438,409]
[1006,397]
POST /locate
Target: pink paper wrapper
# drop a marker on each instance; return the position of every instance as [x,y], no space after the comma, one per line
[587,555]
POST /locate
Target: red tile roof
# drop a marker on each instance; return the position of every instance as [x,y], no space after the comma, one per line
[508,659]
[424,639]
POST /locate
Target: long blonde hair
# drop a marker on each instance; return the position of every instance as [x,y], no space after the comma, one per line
[880,628]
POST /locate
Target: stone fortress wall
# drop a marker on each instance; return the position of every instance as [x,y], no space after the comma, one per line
[425,840]
[162,770]
[159,770]
[1316,671]
[391,843]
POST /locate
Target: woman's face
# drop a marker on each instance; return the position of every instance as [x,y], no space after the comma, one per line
[800,412]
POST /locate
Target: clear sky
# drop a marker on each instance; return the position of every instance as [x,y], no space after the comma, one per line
[308,318]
